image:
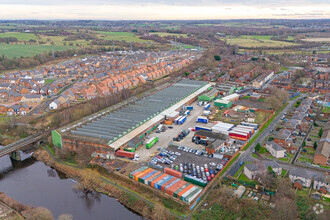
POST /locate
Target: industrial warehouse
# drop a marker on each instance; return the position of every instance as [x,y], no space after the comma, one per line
[128,126]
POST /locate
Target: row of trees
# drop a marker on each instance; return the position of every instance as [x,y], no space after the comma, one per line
[276,98]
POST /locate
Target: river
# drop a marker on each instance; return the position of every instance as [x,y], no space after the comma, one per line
[33,183]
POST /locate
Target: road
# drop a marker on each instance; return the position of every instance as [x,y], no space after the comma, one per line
[247,154]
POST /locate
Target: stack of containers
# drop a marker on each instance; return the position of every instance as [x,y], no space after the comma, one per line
[222,127]
[168,183]
[173,172]
[246,128]
[137,171]
[195,180]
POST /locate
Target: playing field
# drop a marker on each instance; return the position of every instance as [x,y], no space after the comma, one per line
[20,36]
[255,41]
[18,50]
[119,36]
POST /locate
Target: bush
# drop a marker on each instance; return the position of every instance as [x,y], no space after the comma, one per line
[321,132]
[217,57]
[315,145]
[257,147]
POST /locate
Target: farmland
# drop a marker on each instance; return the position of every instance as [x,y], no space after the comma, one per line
[163,34]
[20,36]
[255,41]
[119,36]
[18,50]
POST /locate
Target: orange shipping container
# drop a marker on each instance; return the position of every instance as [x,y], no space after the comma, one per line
[137,173]
[185,190]
[176,186]
[149,178]
[159,178]
[151,170]
[140,174]
[167,122]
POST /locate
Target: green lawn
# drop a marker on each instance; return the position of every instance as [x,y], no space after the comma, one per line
[240,169]
[243,178]
[283,172]
[119,36]
[48,81]
[263,150]
[18,50]
[20,36]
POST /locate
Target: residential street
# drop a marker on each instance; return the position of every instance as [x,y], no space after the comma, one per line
[247,154]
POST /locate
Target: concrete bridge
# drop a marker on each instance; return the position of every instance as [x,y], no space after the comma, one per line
[12,149]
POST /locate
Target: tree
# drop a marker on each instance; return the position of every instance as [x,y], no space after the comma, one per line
[38,213]
[217,57]
[257,147]
[315,145]
[186,73]
[321,132]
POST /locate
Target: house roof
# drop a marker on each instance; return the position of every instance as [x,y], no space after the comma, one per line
[275,146]
[299,172]
[323,148]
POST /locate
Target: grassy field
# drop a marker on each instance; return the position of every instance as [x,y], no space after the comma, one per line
[317,39]
[255,41]
[163,34]
[18,50]
[119,36]
[20,36]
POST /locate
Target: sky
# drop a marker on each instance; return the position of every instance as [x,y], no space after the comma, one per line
[164,9]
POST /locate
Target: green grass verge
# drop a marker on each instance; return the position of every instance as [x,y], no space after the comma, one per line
[240,169]
[254,155]
[264,127]
[263,150]
[295,97]
[243,178]
[48,81]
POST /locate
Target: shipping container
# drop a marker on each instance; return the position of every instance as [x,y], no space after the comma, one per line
[194,180]
[242,130]
[146,181]
[193,195]
[154,177]
[250,125]
[176,121]
[140,175]
[148,176]
[187,113]
[182,120]
[207,106]
[171,184]
[157,179]
[176,193]
[190,108]
[170,191]
[141,180]
[121,153]
[173,172]
[184,191]
[151,142]
[184,195]
[201,119]
[202,128]
[164,180]
[138,170]
[168,183]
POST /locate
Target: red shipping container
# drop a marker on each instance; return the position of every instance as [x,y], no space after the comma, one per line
[167,183]
[157,179]
[127,154]
[173,172]
[175,187]
[185,190]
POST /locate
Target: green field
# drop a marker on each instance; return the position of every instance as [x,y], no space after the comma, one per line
[18,50]
[119,36]
[163,34]
[255,41]
[20,36]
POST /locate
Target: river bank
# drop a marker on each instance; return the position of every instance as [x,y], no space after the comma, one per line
[94,180]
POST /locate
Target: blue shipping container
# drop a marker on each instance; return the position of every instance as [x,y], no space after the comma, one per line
[206,107]
[202,128]
[202,120]
[189,107]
